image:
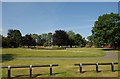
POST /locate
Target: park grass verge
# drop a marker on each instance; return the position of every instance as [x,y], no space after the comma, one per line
[116,51]
[66,68]
[70,52]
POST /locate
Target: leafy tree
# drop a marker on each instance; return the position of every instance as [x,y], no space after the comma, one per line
[4,42]
[90,40]
[60,38]
[71,34]
[46,43]
[44,37]
[14,38]
[78,40]
[42,41]
[84,42]
[36,38]
[28,40]
[50,37]
[71,41]
[106,30]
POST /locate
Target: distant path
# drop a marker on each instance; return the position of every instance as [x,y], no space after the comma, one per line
[109,55]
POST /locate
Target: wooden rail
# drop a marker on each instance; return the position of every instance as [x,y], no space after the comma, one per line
[97,65]
[52,65]
[30,67]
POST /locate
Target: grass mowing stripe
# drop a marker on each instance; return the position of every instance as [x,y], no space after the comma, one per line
[75,52]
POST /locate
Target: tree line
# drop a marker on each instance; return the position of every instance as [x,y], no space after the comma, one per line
[105,33]
[60,38]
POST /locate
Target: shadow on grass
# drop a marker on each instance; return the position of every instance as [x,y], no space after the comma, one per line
[21,76]
[90,71]
[7,57]
[108,49]
[38,75]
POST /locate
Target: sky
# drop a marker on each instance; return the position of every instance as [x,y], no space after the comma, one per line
[45,17]
[60,0]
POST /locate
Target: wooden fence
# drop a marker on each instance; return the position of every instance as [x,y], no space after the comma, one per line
[30,67]
[52,65]
[97,65]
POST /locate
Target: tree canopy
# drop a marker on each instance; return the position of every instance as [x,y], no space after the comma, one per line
[60,38]
[27,40]
[14,38]
[106,30]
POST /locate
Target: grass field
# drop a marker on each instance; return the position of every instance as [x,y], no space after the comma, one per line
[66,68]
[116,51]
[70,52]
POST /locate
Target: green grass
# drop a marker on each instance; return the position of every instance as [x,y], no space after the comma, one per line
[116,51]
[66,68]
[71,52]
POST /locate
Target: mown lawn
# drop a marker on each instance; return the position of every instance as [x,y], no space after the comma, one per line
[116,51]
[66,68]
[70,52]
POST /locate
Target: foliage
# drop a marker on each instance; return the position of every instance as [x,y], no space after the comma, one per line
[84,42]
[13,39]
[46,43]
[28,40]
[106,30]
[36,38]
[90,40]
[78,40]
[60,38]
[71,40]
[4,42]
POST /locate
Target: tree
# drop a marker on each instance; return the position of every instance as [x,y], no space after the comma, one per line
[90,40]
[60,38]
[71,34]
[50,38]
[78,40]
[14,38]
[36,38]
[4,41]
[28,40]
[84,42]
[106,30]
[44,36]
[71,41]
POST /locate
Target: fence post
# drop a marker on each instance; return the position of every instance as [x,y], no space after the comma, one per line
[97,67]
[80,67]
[50,69]
[30,70]
[112,67]
[9,72]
